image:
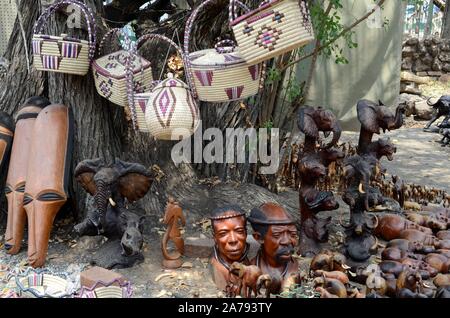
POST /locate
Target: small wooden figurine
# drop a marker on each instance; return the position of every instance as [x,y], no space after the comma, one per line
[173,214]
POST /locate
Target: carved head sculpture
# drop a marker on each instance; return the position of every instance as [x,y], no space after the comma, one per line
[374,117]
[112,184]
[311,167]
[383,147]
[132,238]
[311,121]
[275,230]
[229,225]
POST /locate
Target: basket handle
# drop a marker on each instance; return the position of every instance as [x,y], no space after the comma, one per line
[130,81]
[109,34]
[187,36]
[89,16]
[220,48]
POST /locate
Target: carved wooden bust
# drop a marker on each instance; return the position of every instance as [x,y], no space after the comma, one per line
[230,238]
[275,230]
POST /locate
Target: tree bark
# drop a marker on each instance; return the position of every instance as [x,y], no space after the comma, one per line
[446,22]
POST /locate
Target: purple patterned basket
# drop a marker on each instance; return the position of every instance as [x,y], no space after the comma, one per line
[63,54]
[276,27]
[220,74]
[113,289]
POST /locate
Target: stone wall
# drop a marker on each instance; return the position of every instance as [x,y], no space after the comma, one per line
[428,57]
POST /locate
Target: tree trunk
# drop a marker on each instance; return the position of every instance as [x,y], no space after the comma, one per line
[446,22]
[101,129]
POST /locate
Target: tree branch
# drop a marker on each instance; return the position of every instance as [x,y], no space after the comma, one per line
[342,33]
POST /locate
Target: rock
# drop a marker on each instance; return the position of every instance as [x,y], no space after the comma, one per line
[187,265]
[410,89]
[412,42]
[422,73]
[198,247]
[427,60]
[445,78]
[408,51]
[423,110]
[446,68]
[444,57]
[409,101]
[434,73]
[89,277]
[436,40]
[436,66]
[433,50]
[419,66]
[407,64]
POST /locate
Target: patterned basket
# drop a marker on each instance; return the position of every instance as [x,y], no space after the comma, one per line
[43,284]
[63,54]
[113,289]
[220,74]
[111,72]
[276,27]
[171,112]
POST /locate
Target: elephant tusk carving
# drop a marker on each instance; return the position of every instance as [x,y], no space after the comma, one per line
[112,202]
[360,188]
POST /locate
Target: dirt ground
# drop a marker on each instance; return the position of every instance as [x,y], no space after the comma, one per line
[419,159]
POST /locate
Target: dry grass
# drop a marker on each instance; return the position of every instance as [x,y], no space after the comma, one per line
[435,89]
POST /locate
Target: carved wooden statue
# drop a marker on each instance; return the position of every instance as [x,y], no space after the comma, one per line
[275,230]
[17,173]
[230,238]
[361,169]
[172,216]
[313,167]
[112,186]
[48,176]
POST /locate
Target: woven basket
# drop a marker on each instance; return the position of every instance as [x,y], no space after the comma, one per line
[111,73]
[43,284]
[220,74]
[63,54]
[276,27]
[171,112]
[113,289]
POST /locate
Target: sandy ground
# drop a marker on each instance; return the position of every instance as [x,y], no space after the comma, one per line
[419,159]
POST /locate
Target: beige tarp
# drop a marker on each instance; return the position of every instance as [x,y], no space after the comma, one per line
[373,71]
[8,12]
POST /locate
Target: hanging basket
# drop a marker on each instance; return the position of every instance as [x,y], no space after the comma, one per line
[220,74]
[113,289]
[43,283]
[171,112]
[111,72]
[276,27]
[63,54]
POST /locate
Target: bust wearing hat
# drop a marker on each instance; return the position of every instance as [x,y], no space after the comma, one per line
[275,230]
[230,238]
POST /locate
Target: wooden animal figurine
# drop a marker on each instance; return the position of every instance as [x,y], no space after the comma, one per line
[442,280]
[48,176]
[172,216]
[329,261]
[429,221]
[411,285]
[268,284]
[416,236]
[331,286]
[391,225]
[439,262]
[342,277]
[248,278]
